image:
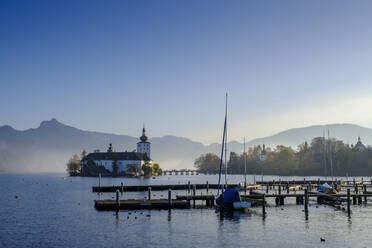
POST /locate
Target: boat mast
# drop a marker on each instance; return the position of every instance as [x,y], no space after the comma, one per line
[245,170]
[330,155]
[223,143]
[226,145]
[324,155]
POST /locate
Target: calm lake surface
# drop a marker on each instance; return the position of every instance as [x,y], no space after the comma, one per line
[53,210]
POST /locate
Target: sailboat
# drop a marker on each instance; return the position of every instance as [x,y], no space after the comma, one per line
[231,197]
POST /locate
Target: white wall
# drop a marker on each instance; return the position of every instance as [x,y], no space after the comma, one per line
[144,147]
[122,164]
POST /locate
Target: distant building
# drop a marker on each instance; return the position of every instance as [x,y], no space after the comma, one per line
[125,161]
[144,146]
[263,155]
[359,146]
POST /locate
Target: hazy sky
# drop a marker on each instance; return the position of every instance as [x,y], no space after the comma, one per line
[113,65]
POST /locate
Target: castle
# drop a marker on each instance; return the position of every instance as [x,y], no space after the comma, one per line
[125,161]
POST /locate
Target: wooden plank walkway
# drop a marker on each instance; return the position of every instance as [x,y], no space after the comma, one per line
[140,204]
[157,187]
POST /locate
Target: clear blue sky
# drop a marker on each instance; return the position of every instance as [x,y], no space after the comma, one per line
[113,65]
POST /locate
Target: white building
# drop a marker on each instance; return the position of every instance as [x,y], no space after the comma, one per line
[125,161]
[263,155]
[144,146]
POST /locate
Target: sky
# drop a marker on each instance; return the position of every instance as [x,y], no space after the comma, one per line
[113,66]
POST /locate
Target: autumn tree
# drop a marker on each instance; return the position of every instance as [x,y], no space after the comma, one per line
[207,163]
[73,165]
[156,170]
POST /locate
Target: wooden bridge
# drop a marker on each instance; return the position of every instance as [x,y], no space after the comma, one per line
[180,172]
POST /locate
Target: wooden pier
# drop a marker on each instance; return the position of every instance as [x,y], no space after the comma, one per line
[350,193]
[140,204]
[157,187]
[209,199]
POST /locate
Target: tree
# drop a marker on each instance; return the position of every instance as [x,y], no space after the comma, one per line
[156,170]
[83,154]
[73,165]
[147,170]
[208,163]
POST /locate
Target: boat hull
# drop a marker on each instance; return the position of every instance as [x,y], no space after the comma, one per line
[241,205]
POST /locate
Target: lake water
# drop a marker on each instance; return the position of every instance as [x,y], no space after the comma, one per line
[53,210]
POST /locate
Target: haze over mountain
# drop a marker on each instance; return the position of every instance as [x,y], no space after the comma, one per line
[48,147]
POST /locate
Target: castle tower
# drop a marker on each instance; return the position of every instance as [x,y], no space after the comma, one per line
[263,155]
[144,146]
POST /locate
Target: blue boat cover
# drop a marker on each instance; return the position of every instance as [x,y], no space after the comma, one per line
[229,196]
[323,187]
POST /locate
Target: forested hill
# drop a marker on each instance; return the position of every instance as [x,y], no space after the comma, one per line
[324,157]
[348,133]
[49,146]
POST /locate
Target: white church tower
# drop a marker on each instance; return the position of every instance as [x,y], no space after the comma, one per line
[144,146]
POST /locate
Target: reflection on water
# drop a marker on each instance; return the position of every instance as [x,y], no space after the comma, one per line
[60,213]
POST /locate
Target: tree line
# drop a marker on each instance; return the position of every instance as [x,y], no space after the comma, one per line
[323,157]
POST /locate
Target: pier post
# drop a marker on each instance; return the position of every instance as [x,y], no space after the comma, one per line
[263,207]
[207,187]
[149,193]
[306,205]
[348,203]
[169,198]
[99,183]
[359,200]
[287,187]
[365,192]
[194,193]
[117,199]
[245,188]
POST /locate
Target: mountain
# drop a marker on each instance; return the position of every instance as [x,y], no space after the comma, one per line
[48,147]
[293,137]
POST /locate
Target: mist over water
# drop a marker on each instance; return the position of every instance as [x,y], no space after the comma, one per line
[53,210]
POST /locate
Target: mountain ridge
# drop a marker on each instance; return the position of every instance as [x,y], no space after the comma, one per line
[48,147]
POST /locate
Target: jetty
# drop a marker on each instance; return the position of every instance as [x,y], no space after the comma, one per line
[140,204]
[350,193]
[137,188]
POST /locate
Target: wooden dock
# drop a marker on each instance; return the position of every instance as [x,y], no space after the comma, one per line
[157,187]
[140,204]
[257,194]
[209,199]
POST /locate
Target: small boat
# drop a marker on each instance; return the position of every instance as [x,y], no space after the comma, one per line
[328,195]
[232,200]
